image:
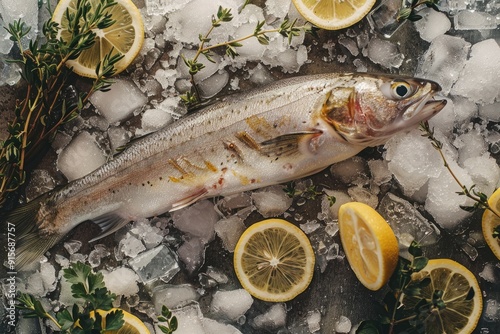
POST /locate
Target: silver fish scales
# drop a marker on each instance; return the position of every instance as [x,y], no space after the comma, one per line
[287,130]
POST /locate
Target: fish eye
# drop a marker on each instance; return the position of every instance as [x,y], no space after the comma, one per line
[397,90]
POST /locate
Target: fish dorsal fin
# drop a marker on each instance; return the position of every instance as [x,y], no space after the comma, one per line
[287,144]
[109,223]
[186,201]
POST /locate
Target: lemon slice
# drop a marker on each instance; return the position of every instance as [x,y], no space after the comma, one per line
[369,244]
[490,222]
[333,14]
[132,325]
[274,260]
[459,308]
[125,36]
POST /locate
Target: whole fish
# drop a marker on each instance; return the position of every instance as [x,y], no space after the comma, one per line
[287,130]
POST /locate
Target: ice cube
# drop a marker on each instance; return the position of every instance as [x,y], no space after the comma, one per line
[154,119]
[490,272]
[197,220]
[154,264]
[384,53]
[189,319]
[478,80]
[80,157]
[231,305]
[474,20]
[484,171]
[470,145]
[313,320]
[432,24]
[406,220]
[379,170]
[492,310]
[363,195]
[214,327]
[340,198]
[131,246]
[383,18]
[444,60]
[192,253]
[230,230]
[273,318]
[412,160]
[443,201]
[350,45]
[490,112]
[343,325]
[173,296]
[120,102]
[214,84]
[351,171]
[260,75]
[271,201]
[72,246]
[121,281]
[10,73]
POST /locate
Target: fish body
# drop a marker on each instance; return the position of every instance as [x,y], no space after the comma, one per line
[287,130]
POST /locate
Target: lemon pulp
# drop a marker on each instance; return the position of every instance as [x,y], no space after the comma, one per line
[369,243]
[274,260]
[124,37]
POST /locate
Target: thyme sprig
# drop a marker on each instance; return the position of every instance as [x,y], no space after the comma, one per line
[480,199]
[48,102]
[287,28]
[395,317]
[410,12]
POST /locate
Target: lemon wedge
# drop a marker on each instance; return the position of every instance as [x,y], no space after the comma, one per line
[490,222]
[274,260]
[461,303]
[333,14]
[125,36]
[369,244]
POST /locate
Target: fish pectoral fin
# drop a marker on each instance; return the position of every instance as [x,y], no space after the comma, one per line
[109,223]
[286,144]
[187,201]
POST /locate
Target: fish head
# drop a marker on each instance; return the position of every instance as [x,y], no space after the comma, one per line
[375,107]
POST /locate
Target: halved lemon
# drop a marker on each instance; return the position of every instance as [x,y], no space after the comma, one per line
[125,36]
[455,296]
[274,260]
[132,325]
[369,244]
[333,14]
[490,222]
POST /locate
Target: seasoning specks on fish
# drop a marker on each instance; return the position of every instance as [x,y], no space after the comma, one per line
[287,130]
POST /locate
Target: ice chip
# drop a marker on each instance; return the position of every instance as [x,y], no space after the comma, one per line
[432,24]
[189,319]
[231,305]
[192,253]
[80,157]
[155,119]
[154,264]
[122,281]
[229,230]
[173,296]
[444,60]
[478,80]
[384,53]
[197,220]
[313,320]
[351,171]
[131,246]
[273,318]
[406,220]
[120,102]
[73,246]
[271,201]
[490,272]
[343,325]
[360,194]
[214,327]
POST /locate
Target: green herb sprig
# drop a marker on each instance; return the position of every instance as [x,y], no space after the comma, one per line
[480,199]
[47,103]
[87,286]
[395,318]
[169,321]
[410,12]
[287,29]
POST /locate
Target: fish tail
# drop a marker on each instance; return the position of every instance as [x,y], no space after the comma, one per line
[31,243]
